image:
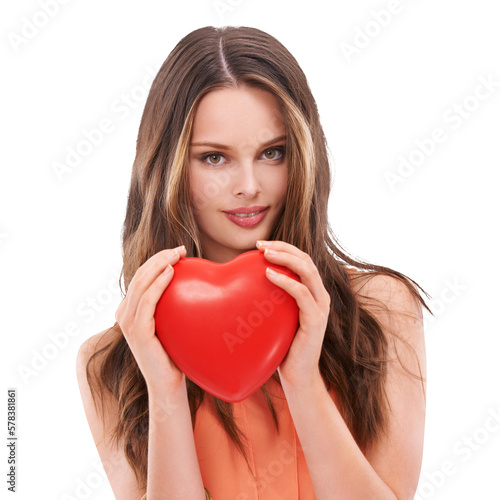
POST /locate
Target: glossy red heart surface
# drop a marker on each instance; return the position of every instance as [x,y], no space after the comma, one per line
[226,326]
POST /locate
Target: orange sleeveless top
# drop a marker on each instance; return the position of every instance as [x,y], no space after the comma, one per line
[276,458]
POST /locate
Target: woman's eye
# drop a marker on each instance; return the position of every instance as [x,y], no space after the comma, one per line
[216,159]
[212,158]
[273,153]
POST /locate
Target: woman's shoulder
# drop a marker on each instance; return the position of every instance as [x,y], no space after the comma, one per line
[356,276]
[376,279]
[351,271]
[87,386]
[382,287]
[374,289]
[103,417]
[90,345]
[86,351]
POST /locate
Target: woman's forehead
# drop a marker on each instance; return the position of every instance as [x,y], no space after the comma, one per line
[231,112]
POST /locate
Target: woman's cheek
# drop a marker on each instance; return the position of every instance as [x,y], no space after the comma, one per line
[208,187]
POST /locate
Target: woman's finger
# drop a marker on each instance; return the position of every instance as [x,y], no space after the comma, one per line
[147,304]
[146,274]
[298,291]
[306,270]
[283,246]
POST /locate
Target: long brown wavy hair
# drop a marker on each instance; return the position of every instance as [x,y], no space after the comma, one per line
[159,215]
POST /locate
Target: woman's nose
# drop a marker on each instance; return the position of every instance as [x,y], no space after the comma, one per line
[247,180]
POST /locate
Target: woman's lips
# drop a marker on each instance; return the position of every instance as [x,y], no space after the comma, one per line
[247,221]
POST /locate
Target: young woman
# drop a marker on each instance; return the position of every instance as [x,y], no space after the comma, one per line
[230,127]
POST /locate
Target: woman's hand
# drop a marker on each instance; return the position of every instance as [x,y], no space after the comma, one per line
[301,364]
[135,315]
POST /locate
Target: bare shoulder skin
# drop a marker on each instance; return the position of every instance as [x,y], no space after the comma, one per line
[120,475]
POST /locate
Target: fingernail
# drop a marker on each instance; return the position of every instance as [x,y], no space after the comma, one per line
[271,272]
[270,252]
[180,249]
[261,243]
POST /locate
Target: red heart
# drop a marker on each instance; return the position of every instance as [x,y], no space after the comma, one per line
[226,326]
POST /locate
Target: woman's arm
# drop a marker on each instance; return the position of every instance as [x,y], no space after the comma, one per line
[338,468]
[391,469]
[170,441]
[173,469]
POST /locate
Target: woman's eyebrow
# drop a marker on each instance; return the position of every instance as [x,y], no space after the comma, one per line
[223,146]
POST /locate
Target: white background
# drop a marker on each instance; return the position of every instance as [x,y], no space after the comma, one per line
[60,238]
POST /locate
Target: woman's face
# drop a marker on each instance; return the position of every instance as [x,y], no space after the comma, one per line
[237,159]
